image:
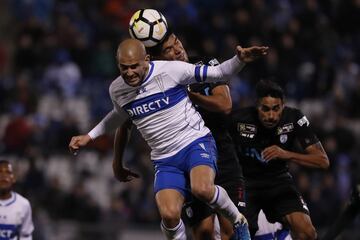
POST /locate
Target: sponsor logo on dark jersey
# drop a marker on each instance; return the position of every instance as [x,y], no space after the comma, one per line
[246,130]
[289,127]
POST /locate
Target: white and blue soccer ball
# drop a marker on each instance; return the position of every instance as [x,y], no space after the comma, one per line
[149,26]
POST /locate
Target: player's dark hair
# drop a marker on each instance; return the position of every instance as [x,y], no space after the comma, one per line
[155,51]
[3,161]
[268,88]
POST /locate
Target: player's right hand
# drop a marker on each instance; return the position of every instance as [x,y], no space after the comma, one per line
[124,174]
[77,142]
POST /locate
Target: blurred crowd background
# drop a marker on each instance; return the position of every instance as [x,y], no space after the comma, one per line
[57,60]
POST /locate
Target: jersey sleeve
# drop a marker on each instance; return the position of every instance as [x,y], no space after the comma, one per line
[27,226]
[304,132]
[188,73]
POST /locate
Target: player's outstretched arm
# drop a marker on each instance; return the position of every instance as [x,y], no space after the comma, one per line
[122,136]
[314,156]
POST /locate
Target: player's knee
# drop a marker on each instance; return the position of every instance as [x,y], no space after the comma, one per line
[170,216]
[203,192]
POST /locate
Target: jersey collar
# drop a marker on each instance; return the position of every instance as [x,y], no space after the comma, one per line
[149,73]
[7,202]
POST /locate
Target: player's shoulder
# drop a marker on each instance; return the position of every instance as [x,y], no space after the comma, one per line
[116,84]
[20,199]
[245,114]
[292,113]
[167,65]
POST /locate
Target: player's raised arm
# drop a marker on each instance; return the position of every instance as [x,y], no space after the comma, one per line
[188,73]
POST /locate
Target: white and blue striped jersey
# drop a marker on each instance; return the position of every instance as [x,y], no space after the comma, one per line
[15,218]
[160,107]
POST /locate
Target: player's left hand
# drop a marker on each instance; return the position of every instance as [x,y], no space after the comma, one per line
[274,152]
[250,54]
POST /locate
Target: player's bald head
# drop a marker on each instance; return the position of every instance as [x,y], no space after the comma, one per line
[131,50]
[133,61]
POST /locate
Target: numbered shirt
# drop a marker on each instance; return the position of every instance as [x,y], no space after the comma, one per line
[15,218]
[251,138]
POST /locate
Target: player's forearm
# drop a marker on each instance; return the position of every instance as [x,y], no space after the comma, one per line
[211,103]
[120,141]
[315,160]
[107,125]
[220,72]
[231,66]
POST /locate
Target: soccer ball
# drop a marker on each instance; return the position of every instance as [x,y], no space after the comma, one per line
[149,26]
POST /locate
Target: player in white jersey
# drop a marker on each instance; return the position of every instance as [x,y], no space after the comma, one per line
[153,95]
[15,210]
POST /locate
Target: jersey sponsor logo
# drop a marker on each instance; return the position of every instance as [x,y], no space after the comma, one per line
[8,231]
[145,106]
[254,153]
[303,121]
[289,127]
[283,138]
[246,130]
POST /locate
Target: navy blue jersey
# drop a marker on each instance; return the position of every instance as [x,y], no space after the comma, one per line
[251,138]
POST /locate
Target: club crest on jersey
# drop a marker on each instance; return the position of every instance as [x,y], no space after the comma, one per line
[303,121]
[283,138]
[246,130]
[140,90]
[289,127]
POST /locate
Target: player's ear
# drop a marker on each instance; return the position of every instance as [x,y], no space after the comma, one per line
[147,57]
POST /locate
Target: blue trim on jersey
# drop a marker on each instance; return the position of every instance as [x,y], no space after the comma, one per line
[10,201]
[197,73]
[151,104]
[205,73]
[8,204]
[149,74]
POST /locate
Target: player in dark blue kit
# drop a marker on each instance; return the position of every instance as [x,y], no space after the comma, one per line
[265,136]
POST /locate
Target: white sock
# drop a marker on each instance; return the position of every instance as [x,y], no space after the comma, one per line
[176,233]
[217,232]
[222,203]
